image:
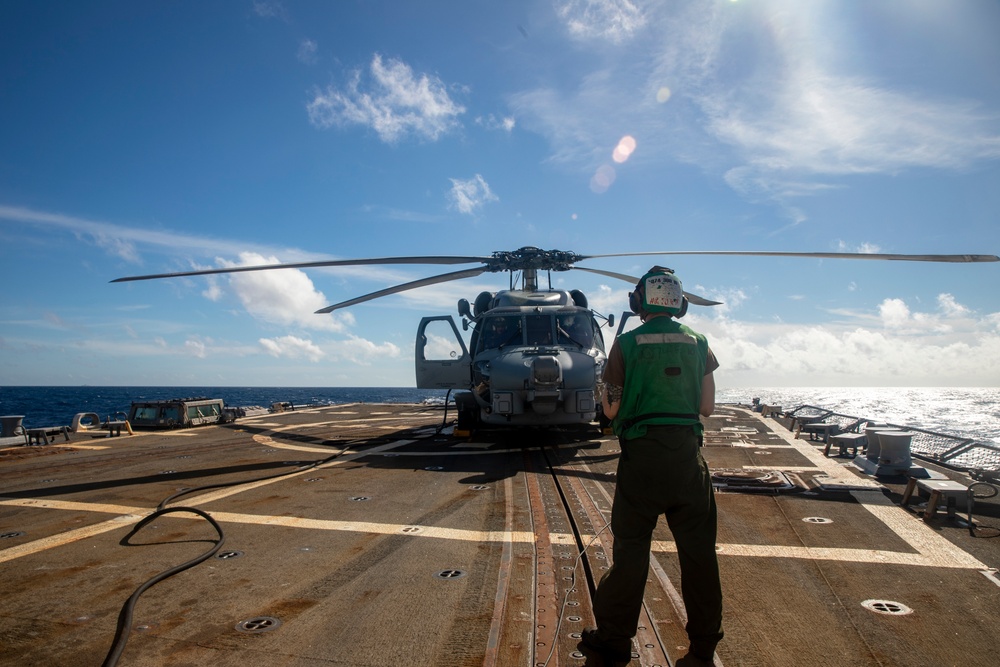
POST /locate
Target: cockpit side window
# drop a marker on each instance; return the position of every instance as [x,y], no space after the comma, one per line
[599,338]
[575,329]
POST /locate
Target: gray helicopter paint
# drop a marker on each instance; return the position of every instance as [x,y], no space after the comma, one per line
[535,373]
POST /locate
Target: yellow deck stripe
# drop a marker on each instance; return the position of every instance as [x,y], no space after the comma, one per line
[61,539]
[932,557]
[931,549]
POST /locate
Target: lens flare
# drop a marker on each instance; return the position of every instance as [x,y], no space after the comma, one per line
[624,149]
[603,178]
[663,94]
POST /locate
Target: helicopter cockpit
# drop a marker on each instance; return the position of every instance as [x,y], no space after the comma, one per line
[498,331]
[576,327]
[534,359]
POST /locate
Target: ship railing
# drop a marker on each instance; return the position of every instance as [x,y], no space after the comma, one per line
[980,460]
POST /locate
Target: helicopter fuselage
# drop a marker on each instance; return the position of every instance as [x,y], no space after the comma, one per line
[534,359]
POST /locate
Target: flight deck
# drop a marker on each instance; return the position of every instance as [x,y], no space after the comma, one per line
[370,535]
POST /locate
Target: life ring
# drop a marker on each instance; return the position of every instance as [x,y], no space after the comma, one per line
[85,421]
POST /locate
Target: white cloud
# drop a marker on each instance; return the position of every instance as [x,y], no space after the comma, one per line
[895,313]
[951,308]
[307,51]
[797,109]
[283,296]
[213,292]
[394,102]
[831,125]
[269,9]
[292,347]
[605,300]
[196,348]
[112,238]
[613,20]
[362,351]
[470,195]
[762,93]
[491,122]
[119,240]
[895,346]
[863,247]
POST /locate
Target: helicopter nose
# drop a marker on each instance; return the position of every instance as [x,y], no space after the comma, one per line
[546,372]
[546,376]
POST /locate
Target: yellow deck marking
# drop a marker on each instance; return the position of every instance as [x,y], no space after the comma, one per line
[931,550]
[305,448]
[377,528]
[936,549]
[62,539]
[132,514]
[264,439]
[76,506]
[934,557]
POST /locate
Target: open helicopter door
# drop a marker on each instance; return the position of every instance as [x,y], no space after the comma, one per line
[442,359]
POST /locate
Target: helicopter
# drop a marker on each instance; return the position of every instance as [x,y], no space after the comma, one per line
[535,356]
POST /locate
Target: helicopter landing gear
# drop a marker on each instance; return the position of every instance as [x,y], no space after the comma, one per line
[468,414]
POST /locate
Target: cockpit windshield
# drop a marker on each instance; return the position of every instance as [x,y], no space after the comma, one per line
[500,331]
[575,328]
[539,329]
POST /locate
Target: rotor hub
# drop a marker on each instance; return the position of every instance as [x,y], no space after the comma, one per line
[530,258]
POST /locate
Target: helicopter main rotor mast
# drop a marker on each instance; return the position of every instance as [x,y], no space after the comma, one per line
[529,260]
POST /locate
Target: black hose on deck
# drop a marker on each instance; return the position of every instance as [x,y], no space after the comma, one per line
[125,617]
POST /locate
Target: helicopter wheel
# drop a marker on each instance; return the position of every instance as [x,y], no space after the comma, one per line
[468,414]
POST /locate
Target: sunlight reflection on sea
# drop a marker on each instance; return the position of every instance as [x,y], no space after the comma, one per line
[971,412]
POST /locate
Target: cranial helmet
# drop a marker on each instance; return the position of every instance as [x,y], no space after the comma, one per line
[659,291]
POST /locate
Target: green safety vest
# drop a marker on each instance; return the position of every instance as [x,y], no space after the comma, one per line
[664,367]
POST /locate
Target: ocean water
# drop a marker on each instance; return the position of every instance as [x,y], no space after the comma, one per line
[52,406]
[969,412]
[966,412]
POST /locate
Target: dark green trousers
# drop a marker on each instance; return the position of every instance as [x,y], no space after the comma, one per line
[662,473]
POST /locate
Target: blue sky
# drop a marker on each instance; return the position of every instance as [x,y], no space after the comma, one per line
[141,138]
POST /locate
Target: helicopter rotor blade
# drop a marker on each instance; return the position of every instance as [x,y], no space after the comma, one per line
[700,300]
[423,282]
[432,259]
[692,298]
[610,274]
[822,255]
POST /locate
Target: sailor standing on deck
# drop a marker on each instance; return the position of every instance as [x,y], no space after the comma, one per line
[658,380]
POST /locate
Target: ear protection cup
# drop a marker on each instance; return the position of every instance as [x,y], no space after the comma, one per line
[635,301]
[684,308]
